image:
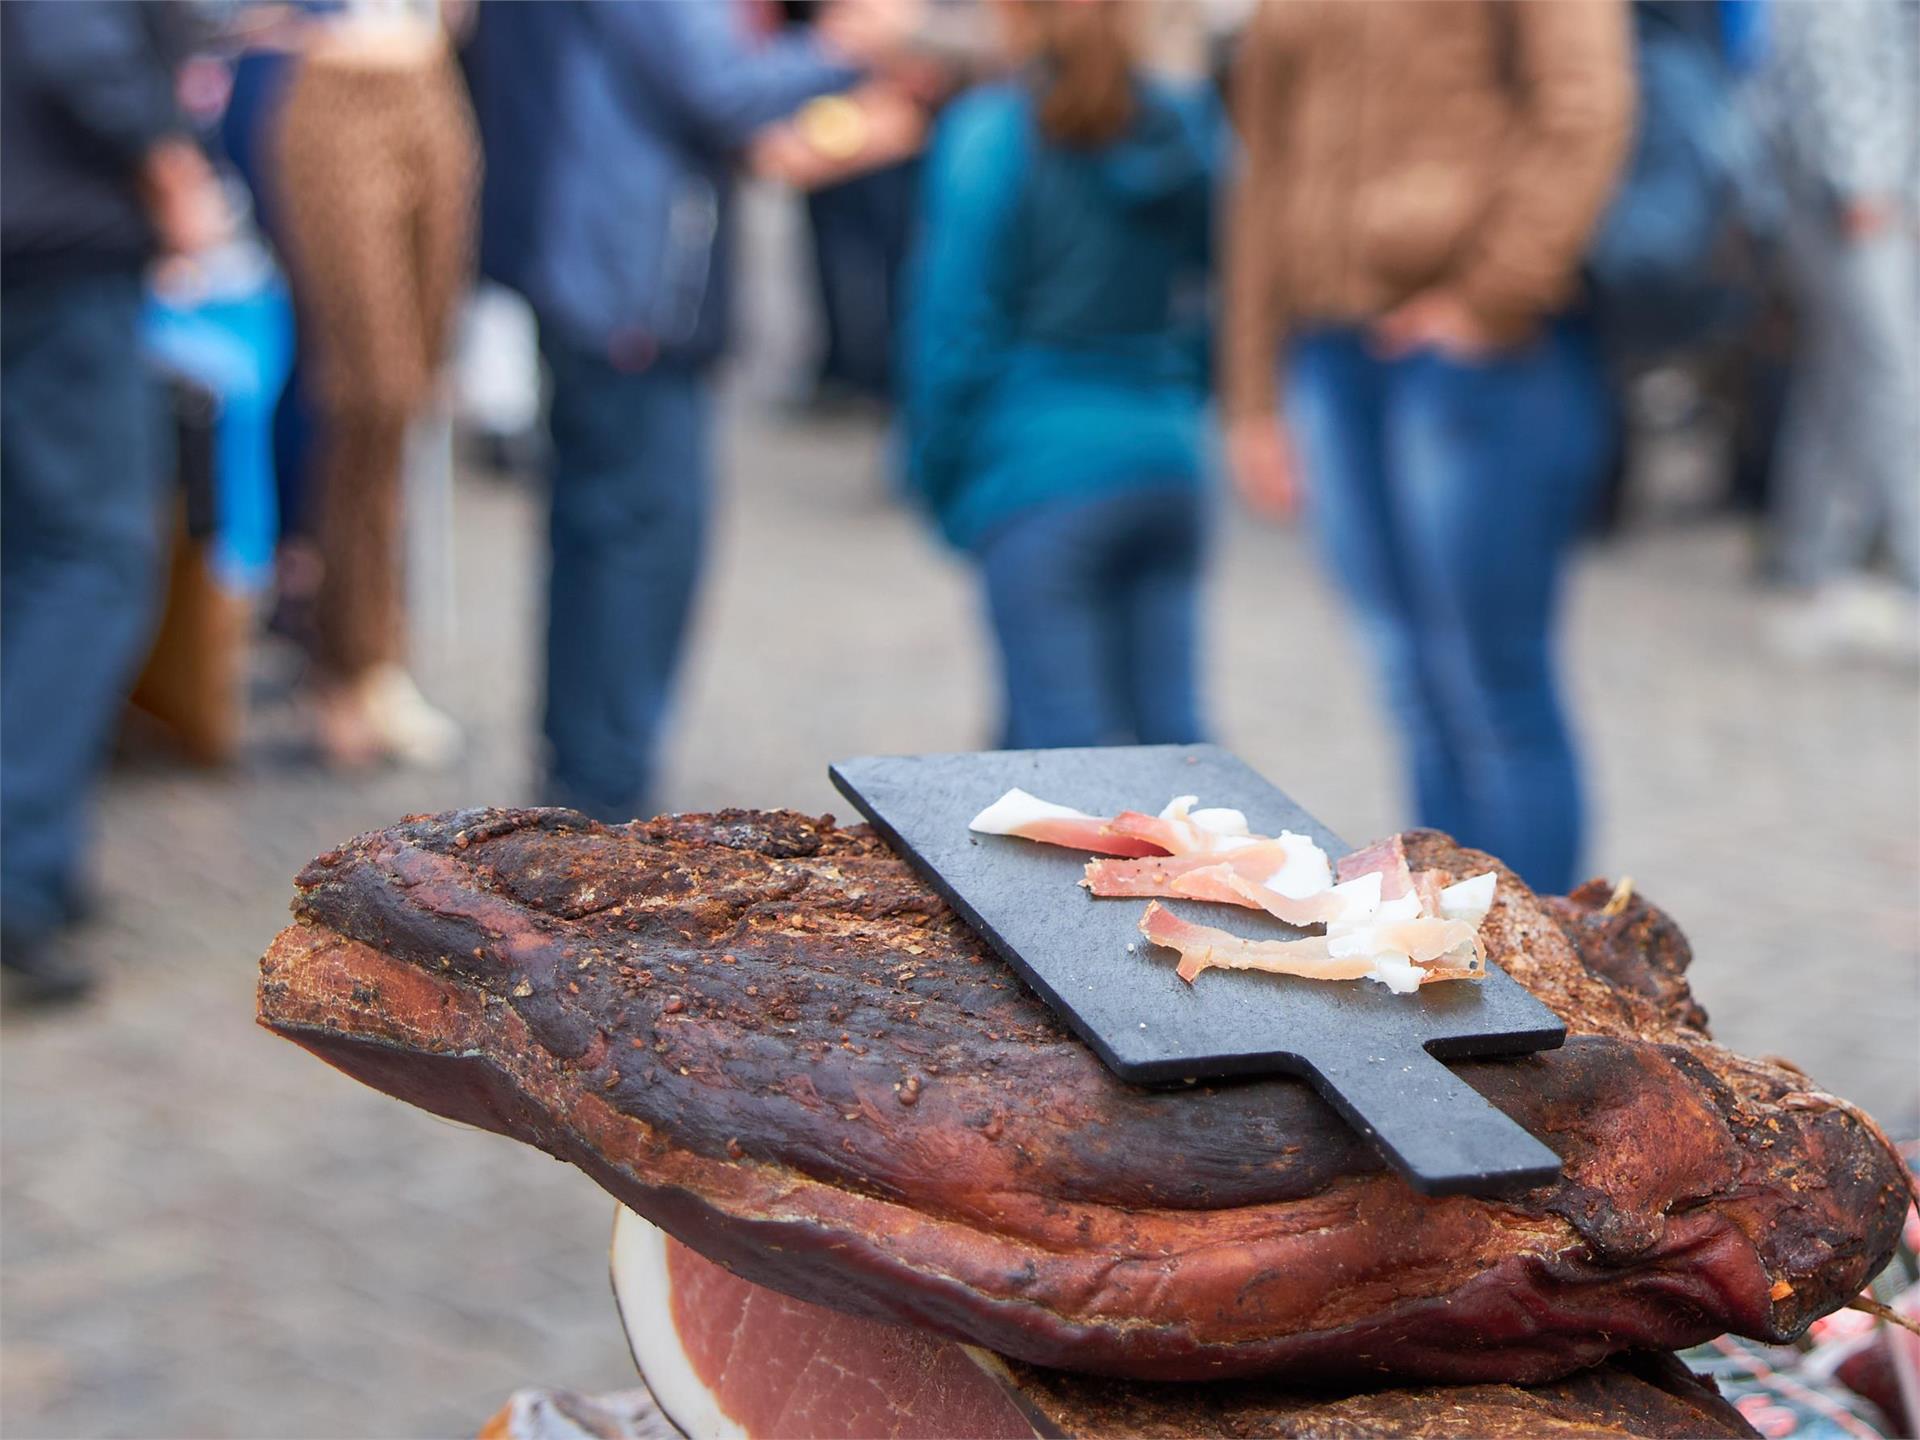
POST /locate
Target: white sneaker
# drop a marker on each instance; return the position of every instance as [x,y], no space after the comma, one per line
[1857,618]
[1883,618]
[411,729]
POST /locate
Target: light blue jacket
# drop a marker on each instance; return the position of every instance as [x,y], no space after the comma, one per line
[1055,340]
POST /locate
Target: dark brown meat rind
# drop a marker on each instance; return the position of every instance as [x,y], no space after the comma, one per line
[1649,1395]
[762,1032]
[1638,947]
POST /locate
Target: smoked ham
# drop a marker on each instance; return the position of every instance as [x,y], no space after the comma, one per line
[765,1034]
[726,1359]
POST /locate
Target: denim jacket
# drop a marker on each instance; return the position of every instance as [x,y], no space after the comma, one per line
[610,129]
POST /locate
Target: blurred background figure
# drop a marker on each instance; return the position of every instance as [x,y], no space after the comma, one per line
[101,172]
[1420,183]
[1415,218]
[498,384]
[1672,275]
[1054,373]
[376,169]
[860,228]
[266,41]
[612,131]
[1846,83]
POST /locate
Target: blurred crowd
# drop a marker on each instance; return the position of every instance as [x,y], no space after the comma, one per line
[1393,268]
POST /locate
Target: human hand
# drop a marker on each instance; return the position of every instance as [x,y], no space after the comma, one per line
[847,135]
[1865,216]
[923,79]
[1433,320]
[183,198]
[1260,460]
[896,124]
[868,32]
[777,153]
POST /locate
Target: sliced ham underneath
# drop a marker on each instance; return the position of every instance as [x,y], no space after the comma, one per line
[728,1360]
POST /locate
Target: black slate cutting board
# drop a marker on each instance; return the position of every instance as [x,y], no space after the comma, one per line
[1371,1053]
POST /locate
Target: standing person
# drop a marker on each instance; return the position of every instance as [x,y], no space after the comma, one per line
[612,130]
[1846,78]
[1420,181]
[377,168]
[248,133]
[101,172]
[1054,378]
[860,231]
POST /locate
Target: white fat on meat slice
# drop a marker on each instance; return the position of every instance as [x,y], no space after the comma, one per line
[1339,906]
[1212,830]
[1469,900]
[1397,973]
[1362,933]
[1028,817]
[1017,810]
[1400,943]
[1362,898]
[1404,944]
[1307,870]
[641,1290]
[1218,820]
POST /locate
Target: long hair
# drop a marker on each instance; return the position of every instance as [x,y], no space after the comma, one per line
[1085,50]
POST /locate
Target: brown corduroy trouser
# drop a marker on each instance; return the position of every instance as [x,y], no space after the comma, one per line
[378,169]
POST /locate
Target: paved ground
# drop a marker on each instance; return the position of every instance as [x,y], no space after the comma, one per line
[206,1232]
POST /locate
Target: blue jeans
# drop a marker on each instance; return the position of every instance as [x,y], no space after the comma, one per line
[1093,602]
[629,502]
[1447,496]
[82,475]
[860,240]
[1847,469]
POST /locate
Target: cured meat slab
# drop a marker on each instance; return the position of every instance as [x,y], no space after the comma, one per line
[765,1034]
[725,1358]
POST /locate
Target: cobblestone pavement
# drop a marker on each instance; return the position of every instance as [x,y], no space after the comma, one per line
[206,1232]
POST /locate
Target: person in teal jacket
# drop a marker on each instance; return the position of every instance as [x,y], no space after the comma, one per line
[1054,369]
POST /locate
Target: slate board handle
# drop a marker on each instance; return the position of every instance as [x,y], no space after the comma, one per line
[1435,1129]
